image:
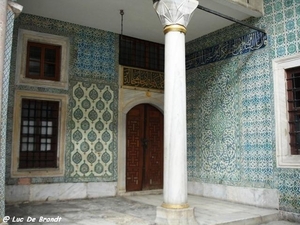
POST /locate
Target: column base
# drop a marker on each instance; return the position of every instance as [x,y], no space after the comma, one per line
[166,216]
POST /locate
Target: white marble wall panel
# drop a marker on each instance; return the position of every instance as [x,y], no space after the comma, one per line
[44,192]
[195,188]
[96,190]
[261,197]
[72,191]
[58,191]
[267,198]
[17,193]
[214,191]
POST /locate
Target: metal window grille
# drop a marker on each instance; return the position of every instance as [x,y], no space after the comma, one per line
[293,93]
[43,61]
[39,134]
[141,54]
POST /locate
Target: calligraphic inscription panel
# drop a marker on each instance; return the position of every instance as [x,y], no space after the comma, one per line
[234,47]
[144,79]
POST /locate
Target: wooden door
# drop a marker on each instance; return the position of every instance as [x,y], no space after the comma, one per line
[144,148]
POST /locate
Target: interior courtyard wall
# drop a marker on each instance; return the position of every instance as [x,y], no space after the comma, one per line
[230,109]
[231,138]
[92,114]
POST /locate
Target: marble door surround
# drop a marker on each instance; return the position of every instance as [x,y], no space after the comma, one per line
[128,98]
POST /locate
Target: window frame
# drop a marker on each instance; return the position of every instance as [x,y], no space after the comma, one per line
[43,61]
[25,36]
[284,157]
[293,95]
[61,142]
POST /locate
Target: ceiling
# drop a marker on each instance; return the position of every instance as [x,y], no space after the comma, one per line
[139,20]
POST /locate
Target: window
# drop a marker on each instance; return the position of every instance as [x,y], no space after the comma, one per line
[43,61]
[39,134]
[39,128]
[141,54]
[286,77]
[293,95]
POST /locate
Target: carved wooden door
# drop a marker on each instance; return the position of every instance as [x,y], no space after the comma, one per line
[144,148]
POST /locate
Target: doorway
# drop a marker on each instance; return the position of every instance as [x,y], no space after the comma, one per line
[144,148]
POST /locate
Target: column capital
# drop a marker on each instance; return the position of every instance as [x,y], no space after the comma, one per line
[15,7]
[172,12]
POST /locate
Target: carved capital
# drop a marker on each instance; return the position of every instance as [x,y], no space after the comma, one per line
[175,11]
[15,7]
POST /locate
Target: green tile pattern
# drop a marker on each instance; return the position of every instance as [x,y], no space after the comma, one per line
[230,108]
[92,137]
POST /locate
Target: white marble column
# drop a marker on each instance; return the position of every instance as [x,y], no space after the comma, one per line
[175,16]
[8,11]
[175,156]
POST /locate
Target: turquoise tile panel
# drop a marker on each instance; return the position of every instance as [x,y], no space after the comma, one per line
[230,108]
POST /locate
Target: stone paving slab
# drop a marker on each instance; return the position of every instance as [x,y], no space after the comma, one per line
[281,222]
[138,210]
[103,211]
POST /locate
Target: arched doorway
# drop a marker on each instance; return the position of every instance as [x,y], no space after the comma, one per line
[144,148]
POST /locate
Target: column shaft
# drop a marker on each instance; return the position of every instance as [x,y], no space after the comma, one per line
[175,146]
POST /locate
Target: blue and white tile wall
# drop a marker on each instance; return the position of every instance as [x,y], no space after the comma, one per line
[3,116]
[93,64]
[230,108]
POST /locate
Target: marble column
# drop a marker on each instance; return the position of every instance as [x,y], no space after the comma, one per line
[175,16]
[8,11]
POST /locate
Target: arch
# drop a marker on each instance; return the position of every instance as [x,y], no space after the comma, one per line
[157,104]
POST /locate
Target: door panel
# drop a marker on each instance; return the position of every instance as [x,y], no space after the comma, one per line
[144,153]
[134,150]
[154,153]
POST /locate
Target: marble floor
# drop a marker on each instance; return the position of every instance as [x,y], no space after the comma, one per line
[135,210]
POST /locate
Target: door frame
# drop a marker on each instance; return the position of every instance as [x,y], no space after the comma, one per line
[127,101]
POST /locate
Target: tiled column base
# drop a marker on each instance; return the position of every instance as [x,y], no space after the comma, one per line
[175,216]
